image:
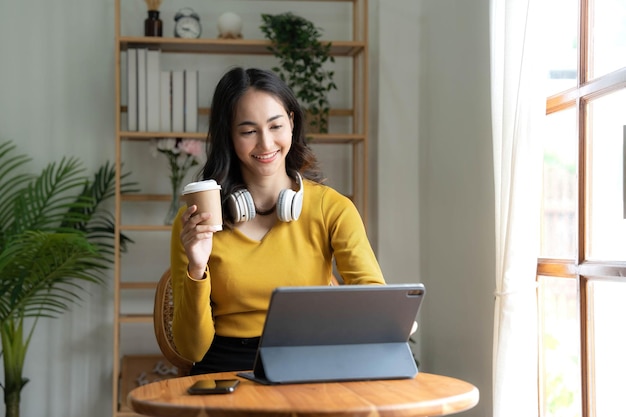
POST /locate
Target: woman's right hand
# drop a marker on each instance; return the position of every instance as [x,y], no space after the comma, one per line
[197,240]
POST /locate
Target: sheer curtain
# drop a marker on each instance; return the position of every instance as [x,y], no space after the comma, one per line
[518,109]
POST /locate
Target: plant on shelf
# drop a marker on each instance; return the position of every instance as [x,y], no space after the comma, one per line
[295,41]
[55,236]
[182,155]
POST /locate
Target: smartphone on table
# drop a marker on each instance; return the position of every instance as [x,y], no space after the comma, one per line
[213,386]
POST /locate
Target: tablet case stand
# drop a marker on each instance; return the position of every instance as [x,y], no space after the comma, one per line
[298,364]
[362,343]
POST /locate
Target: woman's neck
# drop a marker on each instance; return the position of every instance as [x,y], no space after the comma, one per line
[265,191]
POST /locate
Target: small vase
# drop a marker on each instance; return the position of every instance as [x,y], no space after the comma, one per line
[172,211]
[153,26]
[229,26]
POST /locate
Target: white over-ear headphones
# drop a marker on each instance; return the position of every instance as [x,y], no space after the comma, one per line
[288,206]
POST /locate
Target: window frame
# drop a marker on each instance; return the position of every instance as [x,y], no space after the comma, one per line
[581,269]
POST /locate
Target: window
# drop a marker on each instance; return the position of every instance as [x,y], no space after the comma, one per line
[582,270]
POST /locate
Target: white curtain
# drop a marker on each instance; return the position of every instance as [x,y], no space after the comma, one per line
[518,110]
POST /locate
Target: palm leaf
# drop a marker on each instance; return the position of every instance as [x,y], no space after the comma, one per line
[56,234]
[97,222]
[11,183]
[45,202]
[46,278]
[55,237]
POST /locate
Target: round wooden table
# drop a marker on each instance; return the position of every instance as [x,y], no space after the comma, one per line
[425,395]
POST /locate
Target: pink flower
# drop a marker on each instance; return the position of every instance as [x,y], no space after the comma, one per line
[192,146]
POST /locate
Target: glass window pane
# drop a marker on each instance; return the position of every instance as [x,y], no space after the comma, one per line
[562,44]
[607,37]
[559,348]
[606,225]
[558,228]
[608,344]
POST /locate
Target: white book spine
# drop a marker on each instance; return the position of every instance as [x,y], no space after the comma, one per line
[131,87]
[166,102]
[141,90]
[153,84]
[178,101]
[191,101]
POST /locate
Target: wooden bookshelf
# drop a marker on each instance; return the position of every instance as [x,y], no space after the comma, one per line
[355,50]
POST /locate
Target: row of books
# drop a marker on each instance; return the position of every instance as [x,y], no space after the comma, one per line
[160,101]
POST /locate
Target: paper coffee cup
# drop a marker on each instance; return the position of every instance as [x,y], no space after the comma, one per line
[205,195]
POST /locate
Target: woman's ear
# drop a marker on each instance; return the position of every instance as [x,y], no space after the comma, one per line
[291,119]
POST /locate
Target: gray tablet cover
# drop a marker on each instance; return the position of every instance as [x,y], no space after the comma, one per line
[338,333]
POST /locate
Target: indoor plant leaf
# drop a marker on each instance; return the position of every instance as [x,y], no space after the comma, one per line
[56,236]
[295,41]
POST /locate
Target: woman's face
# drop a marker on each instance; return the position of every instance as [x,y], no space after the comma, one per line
[261,134]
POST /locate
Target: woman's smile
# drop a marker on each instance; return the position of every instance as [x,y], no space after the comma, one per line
[266,157]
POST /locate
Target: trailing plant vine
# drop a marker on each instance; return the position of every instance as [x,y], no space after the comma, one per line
[295,41]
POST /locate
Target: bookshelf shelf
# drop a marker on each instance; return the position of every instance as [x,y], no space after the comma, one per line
[135,318]
[138,285]
[226,46]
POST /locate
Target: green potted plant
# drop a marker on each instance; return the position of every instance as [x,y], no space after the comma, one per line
[55,235]
[295,41]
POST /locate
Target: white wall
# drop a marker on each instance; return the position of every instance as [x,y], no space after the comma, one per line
[435,180]
[56,98]
[431,217]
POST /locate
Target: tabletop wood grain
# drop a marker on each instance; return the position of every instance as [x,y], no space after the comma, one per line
[425,395]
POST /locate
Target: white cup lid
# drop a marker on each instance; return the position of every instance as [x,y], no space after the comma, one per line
[194,187]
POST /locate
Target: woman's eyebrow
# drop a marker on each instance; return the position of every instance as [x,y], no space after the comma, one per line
[250,123]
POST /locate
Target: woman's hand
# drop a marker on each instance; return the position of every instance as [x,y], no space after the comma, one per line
[197,240]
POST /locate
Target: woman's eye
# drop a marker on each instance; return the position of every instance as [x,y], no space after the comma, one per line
[276,127]
[247,132]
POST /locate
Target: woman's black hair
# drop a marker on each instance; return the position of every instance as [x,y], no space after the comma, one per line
[222,163]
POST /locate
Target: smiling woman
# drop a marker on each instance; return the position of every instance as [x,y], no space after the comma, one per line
[293,229]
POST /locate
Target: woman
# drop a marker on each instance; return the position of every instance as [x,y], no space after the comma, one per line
[282,226]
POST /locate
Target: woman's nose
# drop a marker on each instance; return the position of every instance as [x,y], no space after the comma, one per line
[265,139]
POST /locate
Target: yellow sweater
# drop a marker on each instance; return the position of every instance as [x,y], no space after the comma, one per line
[242,273]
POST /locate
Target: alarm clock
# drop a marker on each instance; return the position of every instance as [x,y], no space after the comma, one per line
[187,24]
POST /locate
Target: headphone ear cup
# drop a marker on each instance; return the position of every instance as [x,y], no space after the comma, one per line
[296,205]
[233,207]
[289,204]
[249,204]
[241,206]
[284,205]
[297,198]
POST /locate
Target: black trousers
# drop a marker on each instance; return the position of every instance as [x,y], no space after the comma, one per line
[228,354]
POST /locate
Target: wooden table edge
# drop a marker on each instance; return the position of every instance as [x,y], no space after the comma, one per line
[163,403]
